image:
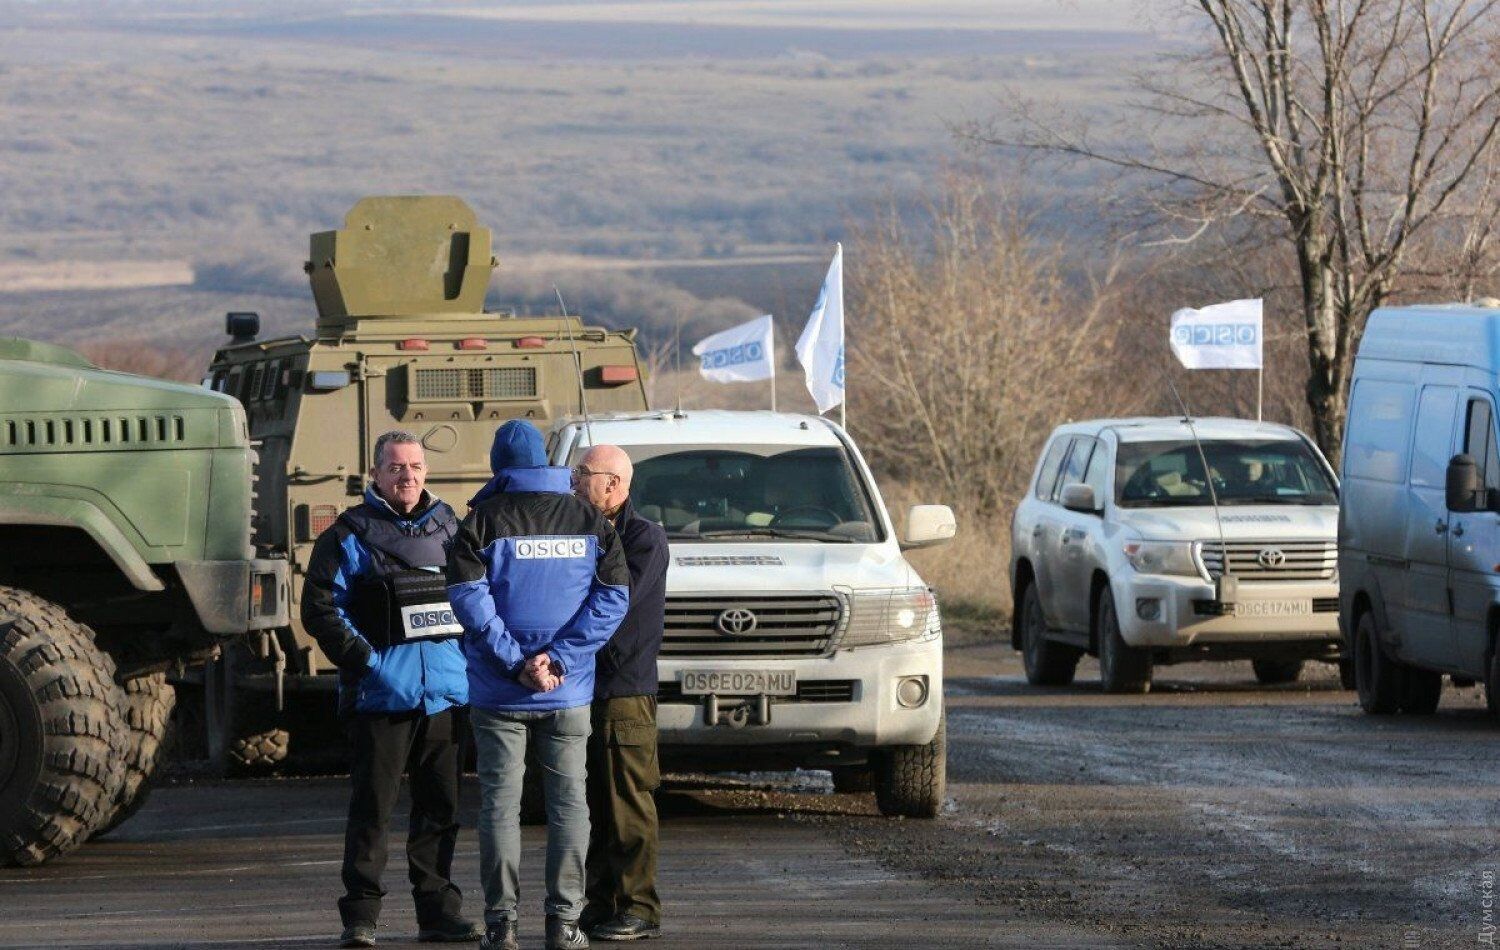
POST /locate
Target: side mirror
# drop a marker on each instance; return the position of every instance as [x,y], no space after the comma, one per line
[1080,497]
[1463,484]
[927,525]
[242,326]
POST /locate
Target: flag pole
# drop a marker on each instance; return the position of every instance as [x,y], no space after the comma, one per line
[773,365]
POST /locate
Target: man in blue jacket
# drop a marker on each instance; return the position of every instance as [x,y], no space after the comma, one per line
[376,601]
[539,582]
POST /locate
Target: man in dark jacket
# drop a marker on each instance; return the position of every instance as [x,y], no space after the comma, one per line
[375,599]
[539,582]
[623,768]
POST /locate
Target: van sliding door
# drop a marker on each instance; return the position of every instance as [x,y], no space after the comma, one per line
[1474,543]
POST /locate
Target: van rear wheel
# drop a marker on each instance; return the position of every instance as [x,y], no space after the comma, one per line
[1376,676]
[1420,691]
[1047,663]
[1122,667]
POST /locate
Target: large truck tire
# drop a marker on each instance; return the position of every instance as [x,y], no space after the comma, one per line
[62,736]
[148,702]
[910,780]
[256,749]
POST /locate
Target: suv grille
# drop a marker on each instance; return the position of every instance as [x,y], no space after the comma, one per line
[1273,560]
[784,625]
[507,382]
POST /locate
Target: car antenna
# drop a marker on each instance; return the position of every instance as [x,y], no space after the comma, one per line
[583,405]
[677,359]
[1226,585]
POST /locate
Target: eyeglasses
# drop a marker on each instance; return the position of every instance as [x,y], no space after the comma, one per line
[582,472]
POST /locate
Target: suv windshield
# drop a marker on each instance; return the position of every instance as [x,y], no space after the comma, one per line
[752,492]
[1245,472]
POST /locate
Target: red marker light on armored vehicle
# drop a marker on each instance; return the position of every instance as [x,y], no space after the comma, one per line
[412,344]
[617,375]
[472,343]
[530,343]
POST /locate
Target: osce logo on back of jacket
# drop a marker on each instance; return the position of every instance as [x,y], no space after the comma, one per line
[531,548]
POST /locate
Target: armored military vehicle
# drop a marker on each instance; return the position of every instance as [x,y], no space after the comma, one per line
[402,341]
[125,510]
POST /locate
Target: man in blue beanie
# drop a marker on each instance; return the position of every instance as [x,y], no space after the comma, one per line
[539,581]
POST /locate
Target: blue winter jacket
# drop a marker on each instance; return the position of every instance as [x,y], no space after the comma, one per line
[425,675]
[535,570]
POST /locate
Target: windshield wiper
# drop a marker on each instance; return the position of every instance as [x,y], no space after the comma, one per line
[806,534]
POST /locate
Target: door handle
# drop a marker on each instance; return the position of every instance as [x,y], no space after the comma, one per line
[1440,527]
[1036,532]
[1458,530]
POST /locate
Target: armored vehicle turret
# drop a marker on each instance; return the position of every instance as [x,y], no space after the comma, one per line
[125,552]
[402,341]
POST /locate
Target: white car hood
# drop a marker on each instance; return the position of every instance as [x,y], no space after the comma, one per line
[698,567]
[1241,522]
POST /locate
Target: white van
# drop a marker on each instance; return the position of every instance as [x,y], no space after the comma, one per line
[796,633]
[1419,534]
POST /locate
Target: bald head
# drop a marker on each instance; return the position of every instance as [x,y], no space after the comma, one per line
[602,477]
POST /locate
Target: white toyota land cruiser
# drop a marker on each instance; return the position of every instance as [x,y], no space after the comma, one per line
[1118,549]
[796,633]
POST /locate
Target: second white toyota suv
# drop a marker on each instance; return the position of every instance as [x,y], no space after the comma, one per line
[796,632]
[1119,550]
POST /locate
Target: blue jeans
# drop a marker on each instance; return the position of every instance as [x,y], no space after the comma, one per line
[561,738]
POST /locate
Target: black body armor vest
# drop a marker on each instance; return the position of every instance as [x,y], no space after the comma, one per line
[406,598]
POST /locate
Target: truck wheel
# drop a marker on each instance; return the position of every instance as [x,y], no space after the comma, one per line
[61,736]
[910,780]
[148,709]
[853,779]
[241,729]
[1047,663]
[1376,676]
[1122,667]
[1420,691]
[1272,672]
[258,749]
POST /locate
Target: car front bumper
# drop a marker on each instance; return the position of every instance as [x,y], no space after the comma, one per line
[847,699]
[1169,611]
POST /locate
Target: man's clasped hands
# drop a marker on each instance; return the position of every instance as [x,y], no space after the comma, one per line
[541,673]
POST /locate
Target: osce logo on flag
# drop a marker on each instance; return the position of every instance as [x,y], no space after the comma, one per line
[1216,334]
[752,352]
[533,548]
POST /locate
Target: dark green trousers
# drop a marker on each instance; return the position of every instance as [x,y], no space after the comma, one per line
[623,772]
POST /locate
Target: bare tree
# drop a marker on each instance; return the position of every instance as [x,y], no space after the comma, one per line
[970,343]
[1363,131]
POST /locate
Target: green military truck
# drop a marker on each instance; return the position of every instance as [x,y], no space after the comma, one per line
[402,340]
[125,511]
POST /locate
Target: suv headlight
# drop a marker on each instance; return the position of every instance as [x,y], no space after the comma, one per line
[1162,557]
[889,616]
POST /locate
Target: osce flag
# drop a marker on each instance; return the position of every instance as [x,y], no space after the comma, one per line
[1223,336]
[820,349]
[740,354]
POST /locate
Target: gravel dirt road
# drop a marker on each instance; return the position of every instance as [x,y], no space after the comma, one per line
[1212,812]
